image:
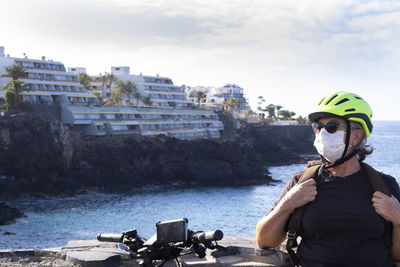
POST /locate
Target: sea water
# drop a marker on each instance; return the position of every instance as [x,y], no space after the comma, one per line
[234,210]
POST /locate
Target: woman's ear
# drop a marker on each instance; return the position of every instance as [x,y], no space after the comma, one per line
[356,137]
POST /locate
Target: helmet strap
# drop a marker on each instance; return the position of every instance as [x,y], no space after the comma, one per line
[344,158]
[347,143]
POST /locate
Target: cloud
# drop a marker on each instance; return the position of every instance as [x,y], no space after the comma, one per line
[281,44]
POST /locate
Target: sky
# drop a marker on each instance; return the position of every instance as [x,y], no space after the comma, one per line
[288,51]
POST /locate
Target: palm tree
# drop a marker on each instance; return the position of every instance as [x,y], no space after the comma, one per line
[15,72]
[118,91]
[116,97]
[147,101]
[126,88]
[137,96]
[260,102]
[130,89]
[100,98]
[278,107]
[111,78]
[85,80]
[237,103]
[16,87]
[199,95]
[103,79]
[229,104]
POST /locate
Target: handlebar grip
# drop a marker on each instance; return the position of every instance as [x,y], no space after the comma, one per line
[107,237]
[201,237]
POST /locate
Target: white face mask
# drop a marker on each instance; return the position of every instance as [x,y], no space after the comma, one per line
[330,146]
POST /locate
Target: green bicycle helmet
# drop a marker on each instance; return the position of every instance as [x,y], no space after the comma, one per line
[347,106]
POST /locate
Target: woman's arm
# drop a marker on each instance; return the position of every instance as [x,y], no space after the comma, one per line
[395,250]
[389,209]
[270,231]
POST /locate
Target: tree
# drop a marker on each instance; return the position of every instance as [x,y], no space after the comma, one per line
[147,101]
[271,111]
[9,99]
[302,120]
[120,86]
[15,72]
[199,95]
[16,87]
[278,107]
[103,80]
[126,88]
[236,102]
[100,98]
[130,89]
[85,80]
[249,112]
[260,102]
[137,96]
[286,114]
[229,104]
[110,79]
[116,97]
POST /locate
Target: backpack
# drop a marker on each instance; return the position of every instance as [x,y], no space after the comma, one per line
[374,179]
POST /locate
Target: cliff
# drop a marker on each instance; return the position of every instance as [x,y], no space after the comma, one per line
[42,157]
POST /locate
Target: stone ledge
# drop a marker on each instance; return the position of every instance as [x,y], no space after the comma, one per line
[241,252]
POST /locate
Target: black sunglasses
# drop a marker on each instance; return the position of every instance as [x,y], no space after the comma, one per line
[331,127]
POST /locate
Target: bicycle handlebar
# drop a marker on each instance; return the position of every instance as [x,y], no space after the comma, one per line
[107,237]
[202,237]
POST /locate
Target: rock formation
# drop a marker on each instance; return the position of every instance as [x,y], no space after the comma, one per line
[42,157]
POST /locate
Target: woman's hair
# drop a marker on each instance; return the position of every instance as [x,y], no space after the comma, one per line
[362,148]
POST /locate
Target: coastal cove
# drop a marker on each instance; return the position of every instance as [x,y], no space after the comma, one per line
[233,209]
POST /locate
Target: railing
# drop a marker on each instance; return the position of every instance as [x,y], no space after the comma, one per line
[161,90]
[39,68]
[52,80]
[162,130]
[144,119]
[65,91]
[169,99]
[160,82]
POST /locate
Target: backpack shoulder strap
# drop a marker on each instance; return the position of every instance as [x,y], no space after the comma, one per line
[309,172]
[314,163]
[294,223]
[375,180]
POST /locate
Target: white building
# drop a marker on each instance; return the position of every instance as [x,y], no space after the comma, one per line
[161,90]
[47,81]
[215,96]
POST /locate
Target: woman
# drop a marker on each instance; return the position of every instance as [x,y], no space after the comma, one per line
[344,220]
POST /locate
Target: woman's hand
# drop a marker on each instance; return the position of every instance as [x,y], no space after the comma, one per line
[387,207]
[301,194]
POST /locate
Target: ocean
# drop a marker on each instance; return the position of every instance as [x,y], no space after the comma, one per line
[234,210]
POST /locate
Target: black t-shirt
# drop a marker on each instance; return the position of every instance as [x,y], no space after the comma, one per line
[340,227]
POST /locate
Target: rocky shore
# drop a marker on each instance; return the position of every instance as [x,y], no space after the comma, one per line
[41,157]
